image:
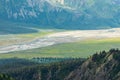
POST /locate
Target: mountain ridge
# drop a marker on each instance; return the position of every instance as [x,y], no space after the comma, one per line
[65,14]
[103,66]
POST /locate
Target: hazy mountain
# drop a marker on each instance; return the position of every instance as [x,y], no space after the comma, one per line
[68,14]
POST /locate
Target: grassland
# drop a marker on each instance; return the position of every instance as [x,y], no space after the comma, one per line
[76,49]
[18,38]
[15,33]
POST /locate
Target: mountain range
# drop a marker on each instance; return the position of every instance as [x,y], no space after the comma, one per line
[63,14]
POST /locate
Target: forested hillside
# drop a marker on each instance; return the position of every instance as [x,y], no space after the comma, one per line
[45,71]
[100,66]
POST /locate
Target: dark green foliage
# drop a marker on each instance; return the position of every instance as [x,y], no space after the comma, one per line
[50,59]
[116,53]
[103,65]
[14,63]
[34,71]
[113,65]
[99,58]
[5,77]
[115,71]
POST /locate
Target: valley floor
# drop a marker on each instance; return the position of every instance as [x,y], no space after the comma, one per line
[61,43]
[62,37]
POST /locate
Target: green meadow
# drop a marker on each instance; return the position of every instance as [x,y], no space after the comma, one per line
[18,38]
[81,49]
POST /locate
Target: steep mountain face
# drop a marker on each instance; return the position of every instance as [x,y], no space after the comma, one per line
[68,14]
[105,66]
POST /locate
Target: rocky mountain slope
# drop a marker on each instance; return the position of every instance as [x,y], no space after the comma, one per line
[103,66]
[68,14]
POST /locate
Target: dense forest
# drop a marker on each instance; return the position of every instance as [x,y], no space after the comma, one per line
[101,66]
[39,68]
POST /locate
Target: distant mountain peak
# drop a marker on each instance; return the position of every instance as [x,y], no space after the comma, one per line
[75,14]
[57,1]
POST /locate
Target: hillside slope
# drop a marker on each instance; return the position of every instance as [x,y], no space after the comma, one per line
[25,70]
[103,66]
